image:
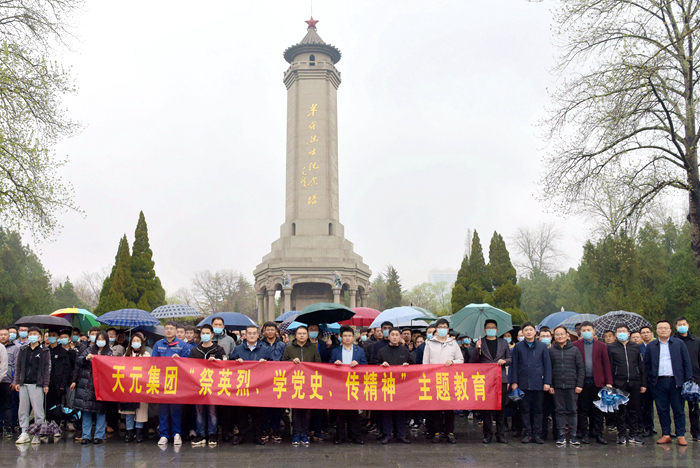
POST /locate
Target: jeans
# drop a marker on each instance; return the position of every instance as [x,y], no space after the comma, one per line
[531,412]
[300,421]
[170,423]
[590,418]
[100,425]
[667,396]
[131,422]
[627,416]
[565,402]
[210,412]
[30,397]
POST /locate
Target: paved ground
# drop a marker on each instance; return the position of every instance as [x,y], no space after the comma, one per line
[468,452]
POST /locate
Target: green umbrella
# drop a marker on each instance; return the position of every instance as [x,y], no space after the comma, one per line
[324,312]
[470,320]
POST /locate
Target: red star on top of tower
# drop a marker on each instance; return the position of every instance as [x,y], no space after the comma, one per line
[312,23]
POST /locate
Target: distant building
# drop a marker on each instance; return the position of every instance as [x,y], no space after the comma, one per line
[438,276]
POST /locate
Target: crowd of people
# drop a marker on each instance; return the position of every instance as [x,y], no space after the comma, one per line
[553,376]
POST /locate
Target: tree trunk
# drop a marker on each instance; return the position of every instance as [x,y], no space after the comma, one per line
[694,203]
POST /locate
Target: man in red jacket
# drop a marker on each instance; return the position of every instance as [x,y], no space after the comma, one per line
[597,375]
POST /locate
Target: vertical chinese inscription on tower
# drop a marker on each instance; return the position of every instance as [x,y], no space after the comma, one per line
[309,177]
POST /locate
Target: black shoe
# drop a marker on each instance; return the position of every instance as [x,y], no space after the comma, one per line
[85,442]
[501,440]
[488,439]
[227,436]
[621,440]
[585,440]
[339,441]
[436,439]
[538,440]
[646,433]
[404,440]
[380,436]
[601,440]
[129,436]
[527,439]
[258,441]
[386,440]
[98,441]
[451,439]
[139,436]
[358,441]
[238,440]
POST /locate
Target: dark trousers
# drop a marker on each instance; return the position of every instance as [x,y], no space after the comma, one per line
[694,416]
[627,416]
[113,415]
[351,419]
[590,418]
[647,410]
[6,406]
[250,421]
[443,422]
[498,416]
[391,419]
[531,412]
[300,421]
[667,396]
[549,409]
[566,404]
[316,422]
[225,416]
[272,418]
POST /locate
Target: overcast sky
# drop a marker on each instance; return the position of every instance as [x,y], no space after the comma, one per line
[185,112]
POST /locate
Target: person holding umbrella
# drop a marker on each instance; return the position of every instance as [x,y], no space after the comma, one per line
[32,379]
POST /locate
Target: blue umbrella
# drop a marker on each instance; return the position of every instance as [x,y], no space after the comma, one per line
[402,314]
[128,318]
[555,319]
[286,315]
[232,320]
[174,311]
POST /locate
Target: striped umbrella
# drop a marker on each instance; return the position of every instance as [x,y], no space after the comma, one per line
[78,318]
[174,311]
[609,321]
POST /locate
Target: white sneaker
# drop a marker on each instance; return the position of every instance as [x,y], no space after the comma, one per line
[163,441]
[23,439]
[177,440]
[36,440]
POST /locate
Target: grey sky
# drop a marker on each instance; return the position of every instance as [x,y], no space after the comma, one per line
[185,115]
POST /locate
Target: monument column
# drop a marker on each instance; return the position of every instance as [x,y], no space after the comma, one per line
[271,305]
[336,295]
[261,306]
[353,294]
[288,299]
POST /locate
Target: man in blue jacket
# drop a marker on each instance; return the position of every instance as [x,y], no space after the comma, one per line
[531,371]
[668,367]
[350,355]
[170,414]
[250,350]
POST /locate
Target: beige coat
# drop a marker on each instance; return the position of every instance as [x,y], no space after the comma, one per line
[142,410]
[437,352]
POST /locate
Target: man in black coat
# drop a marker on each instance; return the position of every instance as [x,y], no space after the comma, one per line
[568,376]
[692,342]
[60,373]
[394,354]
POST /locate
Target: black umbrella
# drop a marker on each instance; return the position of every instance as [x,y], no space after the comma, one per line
[324,312]
[44,321]
[633,322]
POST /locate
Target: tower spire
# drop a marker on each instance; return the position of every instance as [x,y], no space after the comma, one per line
[312,23]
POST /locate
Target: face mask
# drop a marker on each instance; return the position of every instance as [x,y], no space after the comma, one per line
[683,329]
[75,338]
[205,337]
[23,334]
[53,340]
[33,339]
[491,332]
[218,330]
[459,342]
[136,345]
[101,343]
[112,340]
[63,341]
[467,341]
[386,333]
[588,336]
[363,337]
[546,341]
[442,332]
[93,338]
[313,335]
[521,338]
[622,336]
[508,339]
[13,336]
[430,336]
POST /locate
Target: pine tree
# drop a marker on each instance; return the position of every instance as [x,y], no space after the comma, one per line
[122,291]
[478,272]
[64,296]
[473,279]
[150,292]
[393,288]
[506,293]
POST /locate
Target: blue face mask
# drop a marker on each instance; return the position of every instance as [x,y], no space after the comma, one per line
[386,333]
[546,341]
[205,337]
[430,336]
[459,342]
[508,339]
[75,338]
[23,334]
[112,340]
[683,329]
[13,336]
[588,336]
[313,335]
[622,336]
[363,338]
[521,338]
[53,340]
[467,341]
[33,339]
[93,338]
[442,332]
[491,332]
[218,330]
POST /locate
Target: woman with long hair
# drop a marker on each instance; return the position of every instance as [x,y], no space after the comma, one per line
[136,413]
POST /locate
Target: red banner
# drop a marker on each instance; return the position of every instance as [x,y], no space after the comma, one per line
[306,385]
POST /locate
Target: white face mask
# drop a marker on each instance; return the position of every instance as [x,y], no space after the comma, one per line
[136,345]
